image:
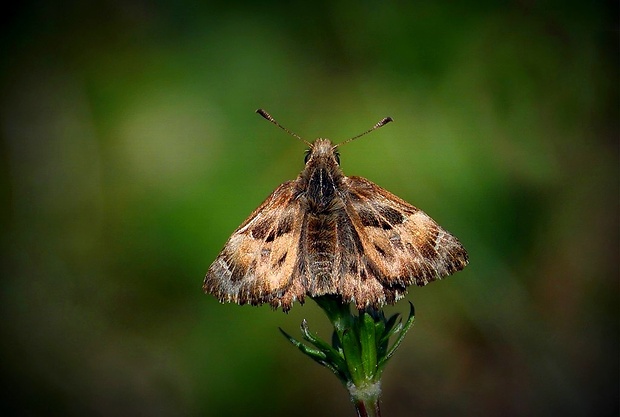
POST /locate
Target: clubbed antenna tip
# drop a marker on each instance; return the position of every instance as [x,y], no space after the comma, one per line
[272,120]
[381,123]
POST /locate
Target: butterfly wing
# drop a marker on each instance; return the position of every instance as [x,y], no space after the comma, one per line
[257,262]
[401,243]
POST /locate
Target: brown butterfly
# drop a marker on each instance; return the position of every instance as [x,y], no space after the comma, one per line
[326,233]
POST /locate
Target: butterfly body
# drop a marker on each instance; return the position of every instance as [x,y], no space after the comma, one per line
[326,233]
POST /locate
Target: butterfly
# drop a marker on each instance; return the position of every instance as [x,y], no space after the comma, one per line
[326,233]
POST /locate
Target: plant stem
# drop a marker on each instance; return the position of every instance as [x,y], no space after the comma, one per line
[367,408]
[365,397]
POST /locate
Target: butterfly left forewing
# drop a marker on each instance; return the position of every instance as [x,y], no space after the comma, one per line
[257,262]
[404,244]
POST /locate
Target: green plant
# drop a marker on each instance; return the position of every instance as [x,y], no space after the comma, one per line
[359,350]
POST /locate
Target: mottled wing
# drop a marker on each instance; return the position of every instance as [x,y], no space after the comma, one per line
[401,245]
[257,263]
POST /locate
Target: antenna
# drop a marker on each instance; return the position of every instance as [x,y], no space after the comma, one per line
[381,123]
[272,120]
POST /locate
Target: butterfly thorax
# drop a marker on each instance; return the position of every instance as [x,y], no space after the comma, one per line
[321,179]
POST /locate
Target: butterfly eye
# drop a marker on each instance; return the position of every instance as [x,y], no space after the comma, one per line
[337,156]
[307,157]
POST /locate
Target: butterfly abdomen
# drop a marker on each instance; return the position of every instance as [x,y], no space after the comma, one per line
[320,248]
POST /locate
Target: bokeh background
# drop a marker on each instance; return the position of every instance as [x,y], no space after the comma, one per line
[130,152]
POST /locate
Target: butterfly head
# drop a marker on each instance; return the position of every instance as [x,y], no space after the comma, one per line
[322,150]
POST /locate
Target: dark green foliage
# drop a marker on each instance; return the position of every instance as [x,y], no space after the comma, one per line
[360,343]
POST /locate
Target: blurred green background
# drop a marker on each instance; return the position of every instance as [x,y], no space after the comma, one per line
[130,152]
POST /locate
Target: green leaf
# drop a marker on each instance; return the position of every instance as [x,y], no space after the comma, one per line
[331,355]
[391,322]
[338,313]
[401,336]
[353,355]
[319,357]
[336,342]
[313,353]
[368,345]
